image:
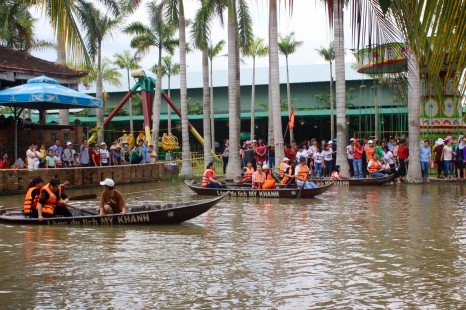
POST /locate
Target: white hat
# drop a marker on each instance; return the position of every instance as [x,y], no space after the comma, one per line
[69,143]
[370,141]
[352,139]
[439,141]
[103,143]
[330,142]
[286,159]
[108,182]
[254,141]
[264,166]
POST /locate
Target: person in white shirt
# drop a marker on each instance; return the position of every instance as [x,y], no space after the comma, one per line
[328,159]
[104,154]
[301,153]
[447,157]
[318,161]
[350,156]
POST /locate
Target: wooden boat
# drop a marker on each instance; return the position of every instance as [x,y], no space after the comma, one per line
[354,181]
[145,214]
[237,191]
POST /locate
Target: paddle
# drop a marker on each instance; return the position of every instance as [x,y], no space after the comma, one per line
[301,189]
[72,198]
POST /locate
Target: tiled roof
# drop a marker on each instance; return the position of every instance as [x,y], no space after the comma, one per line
[13,60]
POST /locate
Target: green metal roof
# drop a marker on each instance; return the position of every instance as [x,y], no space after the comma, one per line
[224,116]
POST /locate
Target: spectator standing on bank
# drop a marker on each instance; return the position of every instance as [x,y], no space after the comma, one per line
[426,155]
[104,155]
[271,153]
[84,156]
[5,162]
[68,155]
[57,146]
[225,154]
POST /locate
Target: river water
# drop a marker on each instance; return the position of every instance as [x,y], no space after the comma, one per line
[388,247]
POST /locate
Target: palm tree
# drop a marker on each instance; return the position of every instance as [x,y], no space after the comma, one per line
[129,62]
[287,46]
[97,26]
[329,55]
[160,35]
[109,75]
[200,33]
[258,49]
[169,69]
[443,51]
[274,83]
[16,26]
[213,52]
[175,14]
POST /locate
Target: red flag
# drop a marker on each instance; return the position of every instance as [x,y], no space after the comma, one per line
[291,121]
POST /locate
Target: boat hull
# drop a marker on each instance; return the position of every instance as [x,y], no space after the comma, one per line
[138,215]
[354,181]
[266,193]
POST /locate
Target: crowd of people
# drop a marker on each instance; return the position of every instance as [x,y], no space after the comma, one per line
[57,156]
[366,158]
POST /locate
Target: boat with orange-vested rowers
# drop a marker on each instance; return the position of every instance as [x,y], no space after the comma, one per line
[143,214]
[238,191]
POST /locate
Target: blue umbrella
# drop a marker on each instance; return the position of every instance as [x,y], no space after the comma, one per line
[43,93]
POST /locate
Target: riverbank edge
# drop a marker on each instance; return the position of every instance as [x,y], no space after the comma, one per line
[16,181]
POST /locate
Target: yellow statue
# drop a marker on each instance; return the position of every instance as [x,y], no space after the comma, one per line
[131,141]
[169,142]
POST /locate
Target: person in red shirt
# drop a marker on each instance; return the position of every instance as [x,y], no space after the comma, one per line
[261,152]
[358,150]
[403,154]
[95,155]
[289,152]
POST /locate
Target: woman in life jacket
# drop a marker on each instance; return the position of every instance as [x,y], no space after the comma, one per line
[258,178]
[374,166]
[247,173]
[269,182]
[52,201]
[209,178]
[32,197]
[288,178]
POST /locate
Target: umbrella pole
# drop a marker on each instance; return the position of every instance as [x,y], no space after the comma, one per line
[16,134]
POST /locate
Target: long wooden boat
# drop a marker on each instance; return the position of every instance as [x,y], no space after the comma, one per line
[237,191]
[353,181]
[145,214]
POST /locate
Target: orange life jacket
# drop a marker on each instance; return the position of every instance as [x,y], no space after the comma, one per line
[205,178]
[49,206]
[247,177]
[287,176]
[374,167]
[282,169]
[258,177]
[269,182]
[303,172]
[30,204]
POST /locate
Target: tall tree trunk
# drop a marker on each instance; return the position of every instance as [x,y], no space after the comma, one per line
[340,86]
[414,110]
[212,108]
[233,167]
[275,82]
[253,98]
[332,110]
[63,114]
[238,88]
[130,107]
[156,109]
[269,105]
[169,109]
[99,93]
[186,167]
[288,95]
[206,107]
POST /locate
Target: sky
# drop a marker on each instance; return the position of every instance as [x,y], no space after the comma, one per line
[308,21]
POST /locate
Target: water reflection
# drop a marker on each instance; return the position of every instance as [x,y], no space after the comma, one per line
[379,247]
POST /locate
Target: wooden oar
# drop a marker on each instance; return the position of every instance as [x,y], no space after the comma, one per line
[72,198]
[83,197]
[301,189]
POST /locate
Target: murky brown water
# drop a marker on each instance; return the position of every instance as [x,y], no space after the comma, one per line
[391,247]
